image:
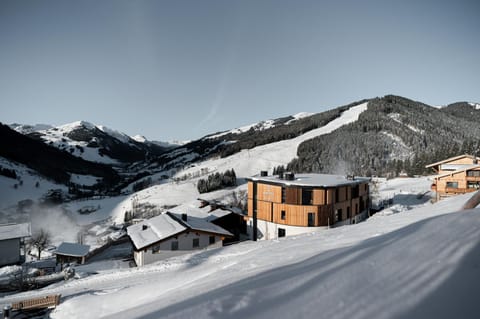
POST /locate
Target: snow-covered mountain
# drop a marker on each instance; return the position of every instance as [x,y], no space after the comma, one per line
[96,143]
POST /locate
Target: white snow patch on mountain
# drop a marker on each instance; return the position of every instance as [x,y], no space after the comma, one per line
[397,118]
[475,105]
[298,116]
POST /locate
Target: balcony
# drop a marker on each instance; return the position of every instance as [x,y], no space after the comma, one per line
[452,190]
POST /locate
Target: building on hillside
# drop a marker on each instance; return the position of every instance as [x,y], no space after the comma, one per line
[172,234]
[289,204]
[229,218]
[68,253]
[453,164]
[12,243]
[456,175]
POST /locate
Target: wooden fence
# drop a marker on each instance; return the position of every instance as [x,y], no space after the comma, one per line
[37,303]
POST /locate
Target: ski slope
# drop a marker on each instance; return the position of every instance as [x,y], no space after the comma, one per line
[405,265]
[250,162]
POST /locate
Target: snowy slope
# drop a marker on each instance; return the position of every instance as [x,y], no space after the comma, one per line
[250,162]
[399,266]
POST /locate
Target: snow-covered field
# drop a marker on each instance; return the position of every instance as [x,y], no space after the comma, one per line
[402,265]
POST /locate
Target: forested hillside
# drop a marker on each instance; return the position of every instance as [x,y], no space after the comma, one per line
[395,134]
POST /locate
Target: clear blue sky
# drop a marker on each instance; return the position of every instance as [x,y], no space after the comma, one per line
[183,69]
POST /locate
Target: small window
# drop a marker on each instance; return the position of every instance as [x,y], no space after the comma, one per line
[155,249]
[282,215]
[284,194]
[196,242]
[211,240]
[452,184]
[338,215]
[348,212]
[311,219]
[174,245]
[281,232]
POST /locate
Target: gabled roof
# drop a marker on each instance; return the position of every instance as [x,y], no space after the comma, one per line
[154,230]
[477,166]
[72,249]
[195,223]
[12,231]
[452,159]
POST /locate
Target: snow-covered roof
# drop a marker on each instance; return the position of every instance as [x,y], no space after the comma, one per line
[313,180]
[217,213]
[15,231]
[456,167]
[200,224]
[154,230]
[72,249]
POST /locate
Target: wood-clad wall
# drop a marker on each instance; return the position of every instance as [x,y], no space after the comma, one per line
[325,202]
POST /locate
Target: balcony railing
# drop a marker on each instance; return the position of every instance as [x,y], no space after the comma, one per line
[459,190]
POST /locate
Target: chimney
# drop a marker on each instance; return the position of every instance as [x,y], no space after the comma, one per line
[263,173]
[289,176]
[184,217]
[144,227]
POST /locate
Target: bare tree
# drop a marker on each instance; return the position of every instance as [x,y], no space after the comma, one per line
[40,240]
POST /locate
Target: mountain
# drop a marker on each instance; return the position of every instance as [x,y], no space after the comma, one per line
[51,162]
[94,143]
[394,134]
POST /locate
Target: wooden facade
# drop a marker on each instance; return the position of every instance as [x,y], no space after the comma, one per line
[284,203]
[458,182]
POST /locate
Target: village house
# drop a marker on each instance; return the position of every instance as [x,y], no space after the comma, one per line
[12,243]
[68,253]
[456,175]
[290,204]
[172,234]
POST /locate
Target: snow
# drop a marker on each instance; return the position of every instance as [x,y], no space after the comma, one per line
[475,105]
[15,231]
[72,249]
[87,180]
[324,180]
[299,116]
[196,223]
[392,266]
[397,118]
[153,230]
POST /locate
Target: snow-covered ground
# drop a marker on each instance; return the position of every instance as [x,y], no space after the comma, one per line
[403,265]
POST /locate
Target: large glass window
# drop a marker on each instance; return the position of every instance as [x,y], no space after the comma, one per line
[473,173]
[306,196]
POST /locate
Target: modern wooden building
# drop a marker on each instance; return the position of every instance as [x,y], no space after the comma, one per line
[456,175]
[278,203]
[12,243]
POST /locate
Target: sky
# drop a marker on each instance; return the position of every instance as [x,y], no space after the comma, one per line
[179,70]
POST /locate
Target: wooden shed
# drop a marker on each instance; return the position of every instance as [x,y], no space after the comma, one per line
[12,243]
[71,253]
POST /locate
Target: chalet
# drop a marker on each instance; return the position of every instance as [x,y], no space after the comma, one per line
[453,164]
[68,253]
[456,178]
[172,234]
[289,204]
[12,243]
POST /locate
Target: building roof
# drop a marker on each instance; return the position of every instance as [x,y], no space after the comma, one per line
[72,249]
[312,180]
[452,159]
[200,224]
[154,230]
[161,227]
[458,171]
[12,231]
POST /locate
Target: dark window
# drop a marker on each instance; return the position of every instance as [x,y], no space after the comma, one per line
[473,173]
[475,185]
[355,191]
[174,245]
[452,184]
[282,215]
[284,194]
[338,215]
[196,242]
[356,208]
[211,240]
[155,249]
[348,212]
[337,195]
[281,232]
[311,219]
[306,196]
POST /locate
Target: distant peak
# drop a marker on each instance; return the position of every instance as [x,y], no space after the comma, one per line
[73,125]
[139,138]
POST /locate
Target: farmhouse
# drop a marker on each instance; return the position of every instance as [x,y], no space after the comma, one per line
[12,243]
[71,253]
[172,234]
[289,204]
[456,175]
